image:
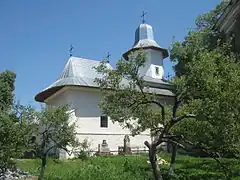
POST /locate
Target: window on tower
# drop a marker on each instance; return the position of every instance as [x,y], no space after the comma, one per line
[157,71]
[104,121]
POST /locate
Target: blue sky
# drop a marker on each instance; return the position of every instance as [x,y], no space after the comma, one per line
[35,35]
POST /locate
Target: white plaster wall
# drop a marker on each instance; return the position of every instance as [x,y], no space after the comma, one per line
[87,117]
[154,59]
[114,141]
[60,99]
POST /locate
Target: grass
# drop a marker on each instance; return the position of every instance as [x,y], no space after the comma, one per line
[129,168]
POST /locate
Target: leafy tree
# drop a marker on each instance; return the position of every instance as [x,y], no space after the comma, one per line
[53,131]
[15,121]
[197,120]
[210,75]
[7,79]
[208,72]
[203,37]
[15,128]
[209,89]
[127,100]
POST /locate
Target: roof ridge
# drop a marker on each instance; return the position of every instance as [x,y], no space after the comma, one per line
[85,59]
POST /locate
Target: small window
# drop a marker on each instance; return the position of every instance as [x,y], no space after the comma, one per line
[157,70]
[104,121]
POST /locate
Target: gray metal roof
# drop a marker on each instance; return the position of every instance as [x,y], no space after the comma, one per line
[81,72]
[144,38]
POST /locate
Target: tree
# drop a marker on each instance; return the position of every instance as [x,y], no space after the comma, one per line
[201,37]
[210,71]
[204,112]
[7,79]
[15,134]
[127,100]
[209,89]
[15,122]
[53,131]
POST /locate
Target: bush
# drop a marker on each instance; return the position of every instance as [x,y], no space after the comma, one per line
[83,150]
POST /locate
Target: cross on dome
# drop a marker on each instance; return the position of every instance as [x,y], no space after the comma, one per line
[143,17]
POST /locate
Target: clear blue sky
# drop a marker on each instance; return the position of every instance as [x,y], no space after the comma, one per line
[35,35]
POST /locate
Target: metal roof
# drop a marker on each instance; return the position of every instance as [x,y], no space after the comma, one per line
[144,38]
[81,72]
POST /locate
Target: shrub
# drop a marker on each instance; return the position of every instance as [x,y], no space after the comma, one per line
[83,150]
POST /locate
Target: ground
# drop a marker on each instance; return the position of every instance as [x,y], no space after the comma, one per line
[129,168]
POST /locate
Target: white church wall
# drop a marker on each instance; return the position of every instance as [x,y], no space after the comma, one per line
[143,69]
[87,117]
[153,67]
[58,99]
[156,57]
[114,141]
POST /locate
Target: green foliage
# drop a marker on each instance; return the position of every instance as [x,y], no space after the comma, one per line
[129,167]
[53,130]
[209,19]
[197,40]
[126,97]
[83,150]
[7,79]
[14,133]
[15,122]
[208,83]
[212,85]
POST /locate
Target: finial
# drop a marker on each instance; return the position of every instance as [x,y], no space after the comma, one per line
[71,50]
[143,17]
[107,58]
[169,76]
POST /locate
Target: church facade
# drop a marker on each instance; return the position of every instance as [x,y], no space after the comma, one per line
[76,87]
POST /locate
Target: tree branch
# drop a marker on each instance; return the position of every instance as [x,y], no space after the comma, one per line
[174,142]
[147,144]
[177,119]
[50,148]
[173,136]
[175,107]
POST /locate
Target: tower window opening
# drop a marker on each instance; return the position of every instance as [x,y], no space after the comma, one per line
[157,70]
[104,121]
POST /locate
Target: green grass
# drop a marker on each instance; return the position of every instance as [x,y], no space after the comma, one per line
[129,168]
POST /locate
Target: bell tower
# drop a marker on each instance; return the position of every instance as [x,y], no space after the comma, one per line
[144,39]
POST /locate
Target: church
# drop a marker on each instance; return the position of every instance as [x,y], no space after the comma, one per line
[77,88]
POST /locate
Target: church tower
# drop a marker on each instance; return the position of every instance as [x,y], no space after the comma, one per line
[144,39]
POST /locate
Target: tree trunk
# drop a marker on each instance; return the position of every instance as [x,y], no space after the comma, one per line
[168,147]
[43,166]
[174,152]
[153,159]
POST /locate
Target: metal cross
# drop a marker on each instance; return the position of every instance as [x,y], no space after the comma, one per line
[71,50]
[108,56]
[168,76]
[143,16]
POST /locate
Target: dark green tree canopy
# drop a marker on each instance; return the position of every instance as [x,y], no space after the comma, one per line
[203,37]
[7,79]
[208,83]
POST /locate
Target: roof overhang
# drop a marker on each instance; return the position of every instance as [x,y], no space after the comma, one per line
[42,96]
[164,51]
[153,87]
